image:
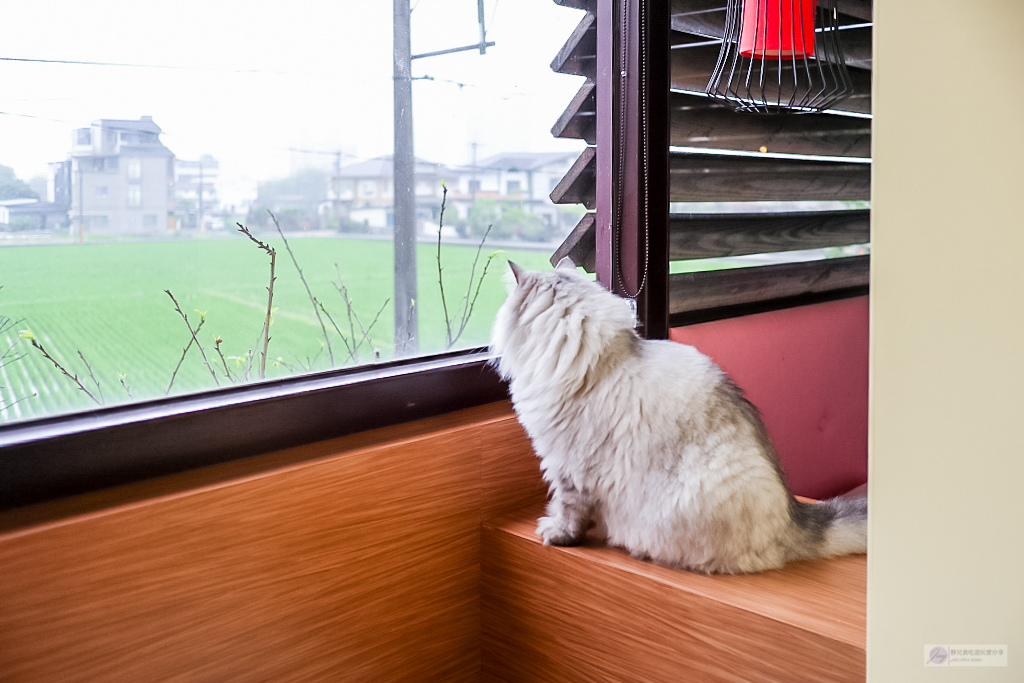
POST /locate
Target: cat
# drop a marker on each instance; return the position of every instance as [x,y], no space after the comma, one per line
[649,440]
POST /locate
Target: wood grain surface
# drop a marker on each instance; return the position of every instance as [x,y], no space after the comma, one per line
[578,185]
[363,559]
[594,613]
[694,292]
[354,560]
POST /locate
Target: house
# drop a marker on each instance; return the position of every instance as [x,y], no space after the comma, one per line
[521,180]
[364,194]
[32,213]
[122,178]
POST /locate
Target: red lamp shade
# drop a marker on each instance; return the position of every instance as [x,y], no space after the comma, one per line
[777,29]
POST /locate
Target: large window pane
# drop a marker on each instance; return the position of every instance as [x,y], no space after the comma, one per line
[130,158]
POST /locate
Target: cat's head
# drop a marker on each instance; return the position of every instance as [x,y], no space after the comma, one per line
[556,322]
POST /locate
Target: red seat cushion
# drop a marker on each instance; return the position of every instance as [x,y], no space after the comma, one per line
[806,369]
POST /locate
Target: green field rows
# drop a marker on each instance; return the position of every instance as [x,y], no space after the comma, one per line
[108,301]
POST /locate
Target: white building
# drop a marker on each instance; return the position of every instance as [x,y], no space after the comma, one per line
[122,178]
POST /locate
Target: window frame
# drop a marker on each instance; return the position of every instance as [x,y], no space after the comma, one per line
[65,455]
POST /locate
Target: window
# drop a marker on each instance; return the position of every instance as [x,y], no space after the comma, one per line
[513,187]
[134,167]
[275,167]
[83,136]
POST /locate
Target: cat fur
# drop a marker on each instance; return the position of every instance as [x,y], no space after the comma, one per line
[649,440]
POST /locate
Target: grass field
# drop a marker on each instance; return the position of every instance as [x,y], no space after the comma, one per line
[108,301]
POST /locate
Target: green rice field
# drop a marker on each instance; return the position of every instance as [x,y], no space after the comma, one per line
[107,301]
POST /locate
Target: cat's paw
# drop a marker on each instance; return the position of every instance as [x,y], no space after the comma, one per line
[556,532]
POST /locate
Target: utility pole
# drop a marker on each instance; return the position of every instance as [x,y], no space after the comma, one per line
[406,315]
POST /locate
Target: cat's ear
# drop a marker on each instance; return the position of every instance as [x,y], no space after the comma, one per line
[565,264]
[516,271]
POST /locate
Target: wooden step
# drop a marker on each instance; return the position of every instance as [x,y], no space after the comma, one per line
[593,613]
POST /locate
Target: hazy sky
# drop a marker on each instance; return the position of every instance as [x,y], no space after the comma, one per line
[252,80]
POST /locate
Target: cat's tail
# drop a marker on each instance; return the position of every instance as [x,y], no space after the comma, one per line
[837,526]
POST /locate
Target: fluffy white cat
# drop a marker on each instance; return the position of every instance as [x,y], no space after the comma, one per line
[650,440]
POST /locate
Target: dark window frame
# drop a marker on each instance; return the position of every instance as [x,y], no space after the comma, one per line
[55,457]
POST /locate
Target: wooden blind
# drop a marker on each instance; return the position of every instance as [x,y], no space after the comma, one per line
[765,183]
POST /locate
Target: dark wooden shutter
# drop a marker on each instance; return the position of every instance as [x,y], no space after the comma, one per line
[775,163]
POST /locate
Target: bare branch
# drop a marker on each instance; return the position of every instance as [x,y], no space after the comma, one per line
[27,334]
[182,359]
[479,284]
[353,317]
[465,310]
[468,304]
[194,339]
[440,279]
[335,326]
[16,401]
[6,324]
[270,296]
[124,383]
[88,367]
[366,332]
[227,372]
[309,293]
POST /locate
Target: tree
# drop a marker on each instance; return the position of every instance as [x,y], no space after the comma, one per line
[11,187]
[293,199]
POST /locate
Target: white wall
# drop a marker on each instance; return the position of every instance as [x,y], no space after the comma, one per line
[946,554]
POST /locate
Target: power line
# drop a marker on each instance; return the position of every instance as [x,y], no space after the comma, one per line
[79,62]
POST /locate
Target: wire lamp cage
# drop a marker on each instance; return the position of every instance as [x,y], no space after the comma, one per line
[781,56]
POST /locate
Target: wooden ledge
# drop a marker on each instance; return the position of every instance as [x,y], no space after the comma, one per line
[594,611]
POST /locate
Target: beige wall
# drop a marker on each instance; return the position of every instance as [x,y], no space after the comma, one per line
[946,554]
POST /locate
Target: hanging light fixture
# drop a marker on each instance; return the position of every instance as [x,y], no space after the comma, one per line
[781,56]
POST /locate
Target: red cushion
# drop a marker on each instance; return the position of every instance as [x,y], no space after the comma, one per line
[806,368]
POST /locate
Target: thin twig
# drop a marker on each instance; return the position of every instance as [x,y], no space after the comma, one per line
[335,326]
[343,290]
[353,319]
[309,293]
[227,372]
[465,310]
[366,332]
[249,355]
[27,334]
[467,303]
[194,338]
[88,367]
[5,325]
[181,360]
[124,383]
[283,363]
[17,401]
[440,279]
[270,296]
[476,294]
